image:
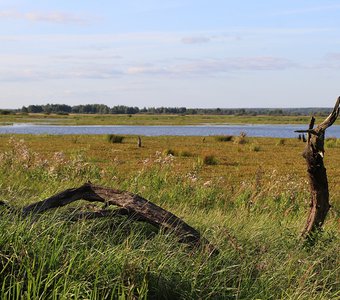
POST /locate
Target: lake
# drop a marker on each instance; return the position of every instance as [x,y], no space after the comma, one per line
[281,131]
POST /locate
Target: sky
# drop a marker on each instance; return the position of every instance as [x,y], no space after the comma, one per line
[192,53]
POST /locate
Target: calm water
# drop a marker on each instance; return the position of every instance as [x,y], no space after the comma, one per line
[283,131]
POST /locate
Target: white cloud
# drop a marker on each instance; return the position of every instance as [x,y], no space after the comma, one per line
[333,56]
[50,17]
[103,70]
[55,17]
[311,9]
[196,40]
[92,57]
[27,74]
[330,61]
[207,37]
[206,67]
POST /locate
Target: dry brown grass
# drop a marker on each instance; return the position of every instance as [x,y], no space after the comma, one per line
[236,163]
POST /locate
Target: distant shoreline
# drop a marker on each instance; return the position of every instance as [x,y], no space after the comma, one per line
[152,119]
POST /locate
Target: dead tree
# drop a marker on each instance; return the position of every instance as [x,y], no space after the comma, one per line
[314,154]
[132,205]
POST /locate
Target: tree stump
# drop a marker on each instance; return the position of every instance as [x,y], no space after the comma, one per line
[314,154]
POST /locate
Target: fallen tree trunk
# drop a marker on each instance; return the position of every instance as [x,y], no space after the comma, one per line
[131,205]
[314,154]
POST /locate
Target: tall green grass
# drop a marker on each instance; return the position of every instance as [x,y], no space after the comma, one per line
[256,227]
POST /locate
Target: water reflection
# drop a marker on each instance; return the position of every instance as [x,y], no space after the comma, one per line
[282,131]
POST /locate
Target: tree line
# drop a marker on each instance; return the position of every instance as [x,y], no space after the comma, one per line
[80,109]
[130,110]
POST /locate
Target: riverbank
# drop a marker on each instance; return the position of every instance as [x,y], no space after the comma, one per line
[142,119]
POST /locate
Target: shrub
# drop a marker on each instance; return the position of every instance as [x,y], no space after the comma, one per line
[224,138]
[255,147]
[170,152]
[185,153]
[281,142]
[241,139]
[4,112]
[209,160]
[115,139]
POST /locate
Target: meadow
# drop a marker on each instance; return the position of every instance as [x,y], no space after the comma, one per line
[148,119]
[248,196]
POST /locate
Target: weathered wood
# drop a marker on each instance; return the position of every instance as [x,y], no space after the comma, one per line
[304,138]
[103,213]
[132,205]
[314,154]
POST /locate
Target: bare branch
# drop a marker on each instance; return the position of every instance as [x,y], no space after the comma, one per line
[311,131]
[310,128]
[331,118]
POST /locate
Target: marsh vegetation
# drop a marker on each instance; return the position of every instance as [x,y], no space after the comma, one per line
[153,119]
[251,204]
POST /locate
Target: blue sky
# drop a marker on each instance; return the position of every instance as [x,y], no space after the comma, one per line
[189,53]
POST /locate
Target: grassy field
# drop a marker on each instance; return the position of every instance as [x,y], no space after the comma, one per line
[248,196]
[141,119]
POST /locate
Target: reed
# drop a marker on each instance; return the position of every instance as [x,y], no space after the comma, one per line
[253,212]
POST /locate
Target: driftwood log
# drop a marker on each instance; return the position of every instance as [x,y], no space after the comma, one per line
[132,205]
[314,154]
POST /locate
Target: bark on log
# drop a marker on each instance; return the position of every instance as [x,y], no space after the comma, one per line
[131,204]
[314,154]
[103,213]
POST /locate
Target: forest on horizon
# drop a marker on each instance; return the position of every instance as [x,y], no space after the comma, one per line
[130,110]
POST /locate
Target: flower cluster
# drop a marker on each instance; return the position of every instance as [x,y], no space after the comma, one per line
[159,159]
[192,176]
[19,156]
